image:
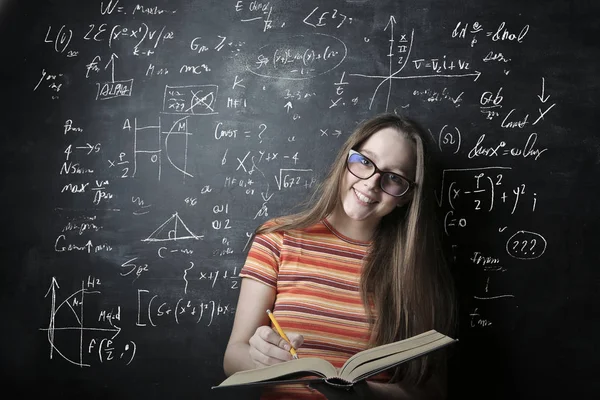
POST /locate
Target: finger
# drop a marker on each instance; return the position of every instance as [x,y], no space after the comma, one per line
[270,353]
[261,360]
[271,356]
[296,339]
[270,336]
[260,365]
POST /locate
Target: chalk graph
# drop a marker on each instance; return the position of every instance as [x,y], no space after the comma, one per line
[403,54]
[67,325]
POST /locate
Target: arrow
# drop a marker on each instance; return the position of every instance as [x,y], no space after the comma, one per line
[87,146]
[391,21]
[542,98]
[265,195]
[288,105]
[116,334]
[112,61]
[52,289]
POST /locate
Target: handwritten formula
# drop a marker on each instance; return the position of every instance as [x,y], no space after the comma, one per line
[178,138]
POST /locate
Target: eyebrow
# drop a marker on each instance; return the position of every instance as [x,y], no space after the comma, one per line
[396,170]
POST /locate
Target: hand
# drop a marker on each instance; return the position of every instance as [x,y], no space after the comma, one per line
[268,348]
[359,390]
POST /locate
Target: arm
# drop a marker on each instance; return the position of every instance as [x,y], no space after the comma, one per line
[252,342]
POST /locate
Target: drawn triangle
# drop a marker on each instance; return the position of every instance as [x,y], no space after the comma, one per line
[171,230]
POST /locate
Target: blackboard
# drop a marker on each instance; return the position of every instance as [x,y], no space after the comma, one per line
[144,141]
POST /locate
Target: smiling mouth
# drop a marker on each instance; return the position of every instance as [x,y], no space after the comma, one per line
[362,197]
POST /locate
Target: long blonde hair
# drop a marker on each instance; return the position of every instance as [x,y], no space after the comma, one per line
[406,286]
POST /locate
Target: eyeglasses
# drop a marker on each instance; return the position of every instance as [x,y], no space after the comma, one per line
[363,168]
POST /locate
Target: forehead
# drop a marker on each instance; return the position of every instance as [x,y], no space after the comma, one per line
[390,149]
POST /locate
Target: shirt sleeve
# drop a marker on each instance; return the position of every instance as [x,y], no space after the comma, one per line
[262,263]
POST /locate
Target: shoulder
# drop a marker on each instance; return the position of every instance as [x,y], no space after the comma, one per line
[269,223]
[284,225]
[269,228]
[278,231]
[268,235]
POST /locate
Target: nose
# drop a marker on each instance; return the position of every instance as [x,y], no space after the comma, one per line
[373,183]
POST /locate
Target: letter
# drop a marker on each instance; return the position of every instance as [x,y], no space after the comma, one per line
[56,248]
[321,18]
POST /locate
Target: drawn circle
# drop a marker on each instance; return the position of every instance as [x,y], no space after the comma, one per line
[298,57]
[525,245]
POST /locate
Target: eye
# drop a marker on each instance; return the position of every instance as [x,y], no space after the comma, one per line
[395,178]
[364,161]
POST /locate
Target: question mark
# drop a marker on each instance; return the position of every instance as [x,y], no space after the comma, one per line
[533,243]
[263,127]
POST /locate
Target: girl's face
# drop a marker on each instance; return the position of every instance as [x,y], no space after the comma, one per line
[362,199]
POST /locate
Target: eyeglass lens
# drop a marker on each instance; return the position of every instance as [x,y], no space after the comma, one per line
[363,168]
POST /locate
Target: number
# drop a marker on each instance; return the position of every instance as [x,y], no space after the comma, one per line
[68,152]
[90,31]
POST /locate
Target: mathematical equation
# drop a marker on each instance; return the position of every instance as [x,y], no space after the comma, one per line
[152,311]
[211,132]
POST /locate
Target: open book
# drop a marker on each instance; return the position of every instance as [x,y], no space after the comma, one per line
[358,367]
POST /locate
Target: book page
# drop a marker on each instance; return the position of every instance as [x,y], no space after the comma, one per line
[387,349]
[367,369]
[302,366]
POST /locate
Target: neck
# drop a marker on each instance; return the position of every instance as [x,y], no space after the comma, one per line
[358,230]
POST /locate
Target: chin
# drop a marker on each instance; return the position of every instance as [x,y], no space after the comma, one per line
[358,216]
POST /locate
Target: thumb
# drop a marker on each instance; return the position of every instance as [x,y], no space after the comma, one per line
[296,339]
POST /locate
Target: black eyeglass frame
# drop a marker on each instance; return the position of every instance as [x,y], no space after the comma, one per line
[411,184]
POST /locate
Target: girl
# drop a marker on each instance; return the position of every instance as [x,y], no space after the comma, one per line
[361,267]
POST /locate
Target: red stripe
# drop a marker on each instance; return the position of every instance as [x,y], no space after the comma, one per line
[262,278]
[321,281]
[320,312]
[304,245]
[268,244]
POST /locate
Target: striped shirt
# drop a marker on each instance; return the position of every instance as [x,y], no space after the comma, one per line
[316,272]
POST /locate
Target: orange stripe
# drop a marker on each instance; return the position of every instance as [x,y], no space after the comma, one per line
[317,273]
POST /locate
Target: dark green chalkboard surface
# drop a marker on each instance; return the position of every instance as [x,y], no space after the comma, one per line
[143,141]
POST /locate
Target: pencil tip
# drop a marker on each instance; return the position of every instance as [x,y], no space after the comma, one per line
[268,311]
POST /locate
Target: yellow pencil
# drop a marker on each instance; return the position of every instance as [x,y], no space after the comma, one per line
[282,333]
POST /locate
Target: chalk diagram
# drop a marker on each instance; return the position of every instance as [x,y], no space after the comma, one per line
[405,46]
[70,313]
[190,100]
[112,89]
[184,101]
[178,129]
[173,229]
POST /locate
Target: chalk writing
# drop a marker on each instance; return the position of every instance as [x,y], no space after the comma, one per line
[176,143]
